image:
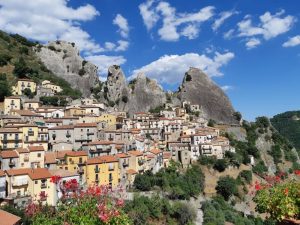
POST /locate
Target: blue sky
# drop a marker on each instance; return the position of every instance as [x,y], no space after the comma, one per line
[251,48]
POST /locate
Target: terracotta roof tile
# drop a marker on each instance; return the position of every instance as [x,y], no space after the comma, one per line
[9,154]
[122,155]
[8,218]
[131,171]
[36,148]
[10,130]
[50,158]
[2,174]
[22,150]
[77,153]
[135,153]
[86,125]
[64,127]
[156,151]
[102,159]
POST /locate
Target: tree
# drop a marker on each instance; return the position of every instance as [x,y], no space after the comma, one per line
[227,187]
[4,87]
[220,165]
[21,69]
[247,175]
[237,115]
[4,59]
[143,182]
[211,123]
[28,93]
[262,122]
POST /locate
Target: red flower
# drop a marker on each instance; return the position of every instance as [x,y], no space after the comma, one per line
[297,172]
[286,191]
[55,179]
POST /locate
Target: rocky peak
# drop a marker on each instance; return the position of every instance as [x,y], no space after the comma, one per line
[198,88]
[64,60]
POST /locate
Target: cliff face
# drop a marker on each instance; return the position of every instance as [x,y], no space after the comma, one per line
[198,88]
[63,59]
[140,95]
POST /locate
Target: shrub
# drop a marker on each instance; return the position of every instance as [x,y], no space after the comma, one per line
[4,59]
[21,70]
[227,187]
[124,99]
[24,50]
[211,123]
[220,165]
[52,48]
[28,93]
[246,175]
[237,116]
[276,153]
[260,168]
[262,122]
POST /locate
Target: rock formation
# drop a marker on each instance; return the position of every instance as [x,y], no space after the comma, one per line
[63,59]
[198,88]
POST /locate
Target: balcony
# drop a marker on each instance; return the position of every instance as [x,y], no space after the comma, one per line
[90,133]
[81,163]
[110,179]
[30,133]
[43,185]
[18,183]
[97,170]
[141,162]
[125,164]
[111,168]
[11,163]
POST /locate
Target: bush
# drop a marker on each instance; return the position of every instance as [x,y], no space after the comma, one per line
[237,116]
[52,48]
[28,93]
[21,70]
[262,122]
[211,123]
[207,160]
[4,59]
[276,153]
[220,165]
[24,50]
[5,89]
[23,40]
[246,175]
[227,187]
[260,168]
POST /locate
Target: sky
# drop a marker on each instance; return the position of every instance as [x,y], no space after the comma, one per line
[250,48]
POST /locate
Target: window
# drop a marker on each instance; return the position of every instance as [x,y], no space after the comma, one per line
[39,155]
[36,182]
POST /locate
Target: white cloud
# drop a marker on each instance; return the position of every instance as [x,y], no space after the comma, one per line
[49,20]
[122,23]
[227,88]
[293,41]
[169,69]
[223,16]
[104,61]
[123,46]
[229,34]
[174,25]
[270,26]
[252,43]
[150,17]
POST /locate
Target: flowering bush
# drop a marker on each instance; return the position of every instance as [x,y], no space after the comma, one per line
[279,197]
[95,206]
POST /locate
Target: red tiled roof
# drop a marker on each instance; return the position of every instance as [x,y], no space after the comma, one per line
[8,218]
[102,159]
[36,148]
[50,158]
[86,125]
[77,153]
[22,150]
[122,155]
[131,171]
[136,153]
[9,154]
[9,130]
[2,174]
[64,127]
[156,151]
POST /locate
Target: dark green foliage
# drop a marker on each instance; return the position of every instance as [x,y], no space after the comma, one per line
[207,160]
[124,99]
[260,168]
[237,116]
[246,175]
[28,93]
[143,209]
[4,87]
[23,40]
[262,122]
[288,126]
[24,50]
[220,165]
[157,109]
[4,59]
[217,211]
[177,185]
[21,69]
[276,153]
[211,123]
[227,187]
[53,100]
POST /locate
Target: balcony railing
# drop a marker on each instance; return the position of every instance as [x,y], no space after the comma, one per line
[30,133]
[43,185]
[125,164]
[97,170]
[17,183]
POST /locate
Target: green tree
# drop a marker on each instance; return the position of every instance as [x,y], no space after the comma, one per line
[211,123]
[28,93]
[227,187]
[220,165]
[5,89]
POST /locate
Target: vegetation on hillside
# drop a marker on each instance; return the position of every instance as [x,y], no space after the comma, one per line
[288,125]
[18,60]
[176,184]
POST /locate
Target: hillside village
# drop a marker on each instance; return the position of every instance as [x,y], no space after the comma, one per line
[91,143]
